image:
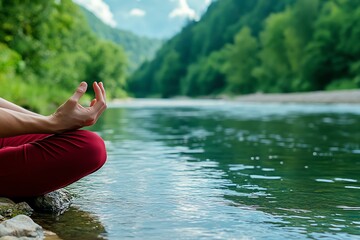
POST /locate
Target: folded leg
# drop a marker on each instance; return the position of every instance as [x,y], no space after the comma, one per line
[32,165]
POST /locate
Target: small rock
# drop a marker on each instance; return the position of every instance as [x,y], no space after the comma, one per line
[21,227]
[10,209]
[8,212]
[50,235]
[5,202]
[12,238]
[55,202]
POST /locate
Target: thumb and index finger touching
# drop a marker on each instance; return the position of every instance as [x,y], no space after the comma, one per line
[100,95]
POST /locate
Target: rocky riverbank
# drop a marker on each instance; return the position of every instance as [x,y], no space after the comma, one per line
[341,96]
[15,221]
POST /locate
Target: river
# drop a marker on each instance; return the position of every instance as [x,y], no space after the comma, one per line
[213,169]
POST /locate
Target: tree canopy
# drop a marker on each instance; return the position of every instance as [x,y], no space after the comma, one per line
[47,48]
[238,47]
[137,48]
[250,46]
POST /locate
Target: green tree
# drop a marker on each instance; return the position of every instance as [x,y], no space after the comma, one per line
[111,73]
[48,49]
[167,78]
[283,40]
[195,46]
[138,49]
[204,77]
[240,61]
[333,53]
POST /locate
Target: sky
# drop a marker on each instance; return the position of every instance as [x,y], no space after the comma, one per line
[151,18]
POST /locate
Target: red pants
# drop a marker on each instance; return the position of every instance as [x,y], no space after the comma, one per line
[32,165]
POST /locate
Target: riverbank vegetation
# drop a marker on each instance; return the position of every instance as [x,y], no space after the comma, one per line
[47,48]
[238,47]
[241,47]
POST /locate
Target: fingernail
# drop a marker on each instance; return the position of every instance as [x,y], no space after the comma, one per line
[83,86]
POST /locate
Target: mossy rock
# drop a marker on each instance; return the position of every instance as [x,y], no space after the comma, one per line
[9,209]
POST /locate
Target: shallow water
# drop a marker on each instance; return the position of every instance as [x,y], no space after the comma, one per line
[221,170]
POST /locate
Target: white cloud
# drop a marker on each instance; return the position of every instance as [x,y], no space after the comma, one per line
[137,12]
[183,10]
[206,5]
[100,9]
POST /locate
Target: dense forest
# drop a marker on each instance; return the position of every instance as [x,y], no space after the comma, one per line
[138,49]
[47,48]
[238,47]
[248,46]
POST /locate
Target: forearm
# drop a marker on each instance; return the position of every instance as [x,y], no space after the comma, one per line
[69,116]
[13,123]
[14,107]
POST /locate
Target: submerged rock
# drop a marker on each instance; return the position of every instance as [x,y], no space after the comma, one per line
[48,235]
[20,227]
[55,202]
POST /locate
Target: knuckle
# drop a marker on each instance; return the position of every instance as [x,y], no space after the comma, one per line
[79,90]
[103,104]
[72,101]
[90,121]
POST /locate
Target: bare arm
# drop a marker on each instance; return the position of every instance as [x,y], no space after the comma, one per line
[14,107]
[14,123]
[69,116]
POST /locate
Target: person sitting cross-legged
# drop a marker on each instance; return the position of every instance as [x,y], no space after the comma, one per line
[40,154]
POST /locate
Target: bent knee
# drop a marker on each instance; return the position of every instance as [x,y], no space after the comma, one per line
[94,151]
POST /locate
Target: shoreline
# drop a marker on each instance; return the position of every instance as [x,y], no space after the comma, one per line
[317,97]
[330,97]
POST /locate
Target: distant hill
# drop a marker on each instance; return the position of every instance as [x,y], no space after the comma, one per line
[137,48]
[188,52]
[249,46]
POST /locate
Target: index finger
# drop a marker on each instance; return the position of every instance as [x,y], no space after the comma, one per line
[103,90]
[100,101]
[98,93]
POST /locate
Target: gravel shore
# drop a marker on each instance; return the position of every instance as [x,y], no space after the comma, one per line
[341,96]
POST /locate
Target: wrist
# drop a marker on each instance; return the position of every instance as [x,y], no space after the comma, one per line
[51,125]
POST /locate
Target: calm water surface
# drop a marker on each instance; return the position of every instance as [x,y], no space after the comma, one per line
[221,170]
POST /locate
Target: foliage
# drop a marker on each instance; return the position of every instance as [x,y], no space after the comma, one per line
[240,61]
[47,49]
[241,47]
[204,77]
[238,47]
[137,48]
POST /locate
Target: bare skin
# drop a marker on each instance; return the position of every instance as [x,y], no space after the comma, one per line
[71,115]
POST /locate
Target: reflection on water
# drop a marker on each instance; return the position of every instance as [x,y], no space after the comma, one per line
[73,224]
[219,170]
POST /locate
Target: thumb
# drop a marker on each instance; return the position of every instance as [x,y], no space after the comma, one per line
[80,91]
[93,102]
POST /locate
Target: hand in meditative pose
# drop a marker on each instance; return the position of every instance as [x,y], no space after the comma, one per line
[39,154]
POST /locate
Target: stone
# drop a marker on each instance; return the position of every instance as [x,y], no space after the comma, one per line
[5,201]
[56,202]
[50,235]
[20,227]
[16,238]
[10,209]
